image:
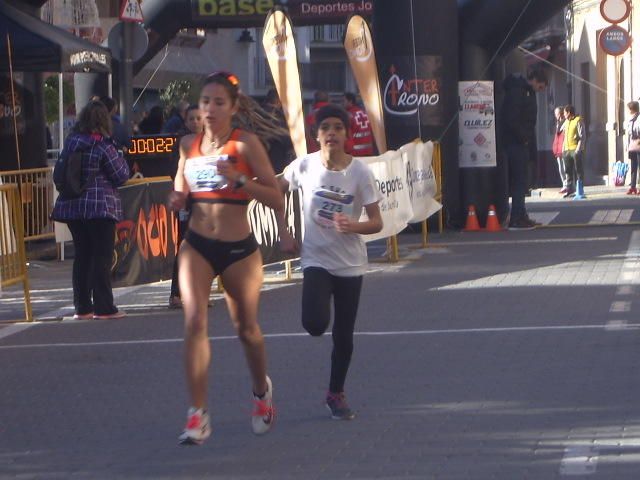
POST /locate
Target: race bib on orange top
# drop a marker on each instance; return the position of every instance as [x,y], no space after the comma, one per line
[202,174]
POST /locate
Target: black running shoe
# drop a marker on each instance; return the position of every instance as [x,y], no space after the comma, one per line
[337,405]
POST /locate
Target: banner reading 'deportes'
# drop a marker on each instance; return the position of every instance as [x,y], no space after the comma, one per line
[395,205]
[359,47]
[281,54]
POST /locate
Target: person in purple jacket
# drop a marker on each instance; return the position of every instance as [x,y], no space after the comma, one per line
[92,216]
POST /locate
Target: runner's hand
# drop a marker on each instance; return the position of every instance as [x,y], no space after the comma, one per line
[342,223]
[177,200]
[287,243]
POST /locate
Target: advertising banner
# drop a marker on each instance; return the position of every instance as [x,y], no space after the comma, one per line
[8,245]
[281,54]
[477,125]
[412,92]
[395,206]
[359,47]
[265,227]
[420,179]
[251,13]
[145,246]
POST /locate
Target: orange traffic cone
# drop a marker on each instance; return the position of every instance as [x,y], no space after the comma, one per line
[493,225]
[472,220]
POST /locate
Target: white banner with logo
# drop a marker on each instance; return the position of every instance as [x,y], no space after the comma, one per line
[359,47]
[417,158]
[280,49]
[477,147]
[395,206]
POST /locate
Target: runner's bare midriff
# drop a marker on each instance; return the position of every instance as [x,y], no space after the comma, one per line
[220,221]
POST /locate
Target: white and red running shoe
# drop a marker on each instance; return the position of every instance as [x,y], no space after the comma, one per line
[263,414]
[197,429]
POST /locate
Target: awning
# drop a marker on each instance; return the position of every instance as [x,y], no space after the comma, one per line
[38,46]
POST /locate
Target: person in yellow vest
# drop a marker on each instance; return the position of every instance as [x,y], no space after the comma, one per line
[573,149]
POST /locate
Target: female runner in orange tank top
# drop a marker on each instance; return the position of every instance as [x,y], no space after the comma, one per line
[220,238]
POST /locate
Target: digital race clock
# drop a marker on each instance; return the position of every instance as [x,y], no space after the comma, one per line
[151,145]
[153,155]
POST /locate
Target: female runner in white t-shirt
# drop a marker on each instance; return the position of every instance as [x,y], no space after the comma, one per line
[336,187]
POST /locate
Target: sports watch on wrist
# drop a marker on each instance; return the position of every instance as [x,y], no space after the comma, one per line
[241,181]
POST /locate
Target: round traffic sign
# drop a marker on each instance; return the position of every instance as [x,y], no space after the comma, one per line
[139,38]
[615,11]
[614,40]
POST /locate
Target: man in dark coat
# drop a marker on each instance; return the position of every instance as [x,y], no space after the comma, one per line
[518,117]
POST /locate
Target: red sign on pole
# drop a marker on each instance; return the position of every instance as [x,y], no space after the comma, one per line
[615,11]
[131,11]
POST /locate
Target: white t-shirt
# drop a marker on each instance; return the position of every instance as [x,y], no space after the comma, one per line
[325,192]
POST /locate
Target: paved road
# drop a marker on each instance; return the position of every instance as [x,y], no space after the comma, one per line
[486,356]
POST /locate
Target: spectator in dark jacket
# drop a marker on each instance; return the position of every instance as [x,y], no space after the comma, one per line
[518,117]
[153,122]
[176,121]
[119,131]
[92,216]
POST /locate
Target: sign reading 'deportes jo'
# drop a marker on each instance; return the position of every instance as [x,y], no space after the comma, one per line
[246,13]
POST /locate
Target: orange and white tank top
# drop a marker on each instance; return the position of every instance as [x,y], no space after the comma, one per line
[201,173]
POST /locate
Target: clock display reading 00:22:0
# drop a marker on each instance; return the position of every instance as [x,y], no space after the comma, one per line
[151,145]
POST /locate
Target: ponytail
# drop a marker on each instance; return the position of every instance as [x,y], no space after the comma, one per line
[253,118]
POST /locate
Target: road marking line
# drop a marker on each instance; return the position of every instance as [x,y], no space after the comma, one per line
[597,217]
[620,306]
[541,328]
[616,325]
[611,216]
[522,242]
[626,290]
[625,216]
[579,460]
[615,216]
[15,328]
[545,218]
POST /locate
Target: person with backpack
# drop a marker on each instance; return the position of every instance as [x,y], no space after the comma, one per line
[633,145]
[558,140]
[87,175]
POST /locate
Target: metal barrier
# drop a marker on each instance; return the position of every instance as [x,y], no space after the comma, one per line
[13,261]
[35,187]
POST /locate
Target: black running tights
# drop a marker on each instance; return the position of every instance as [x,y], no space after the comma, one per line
[317,288]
